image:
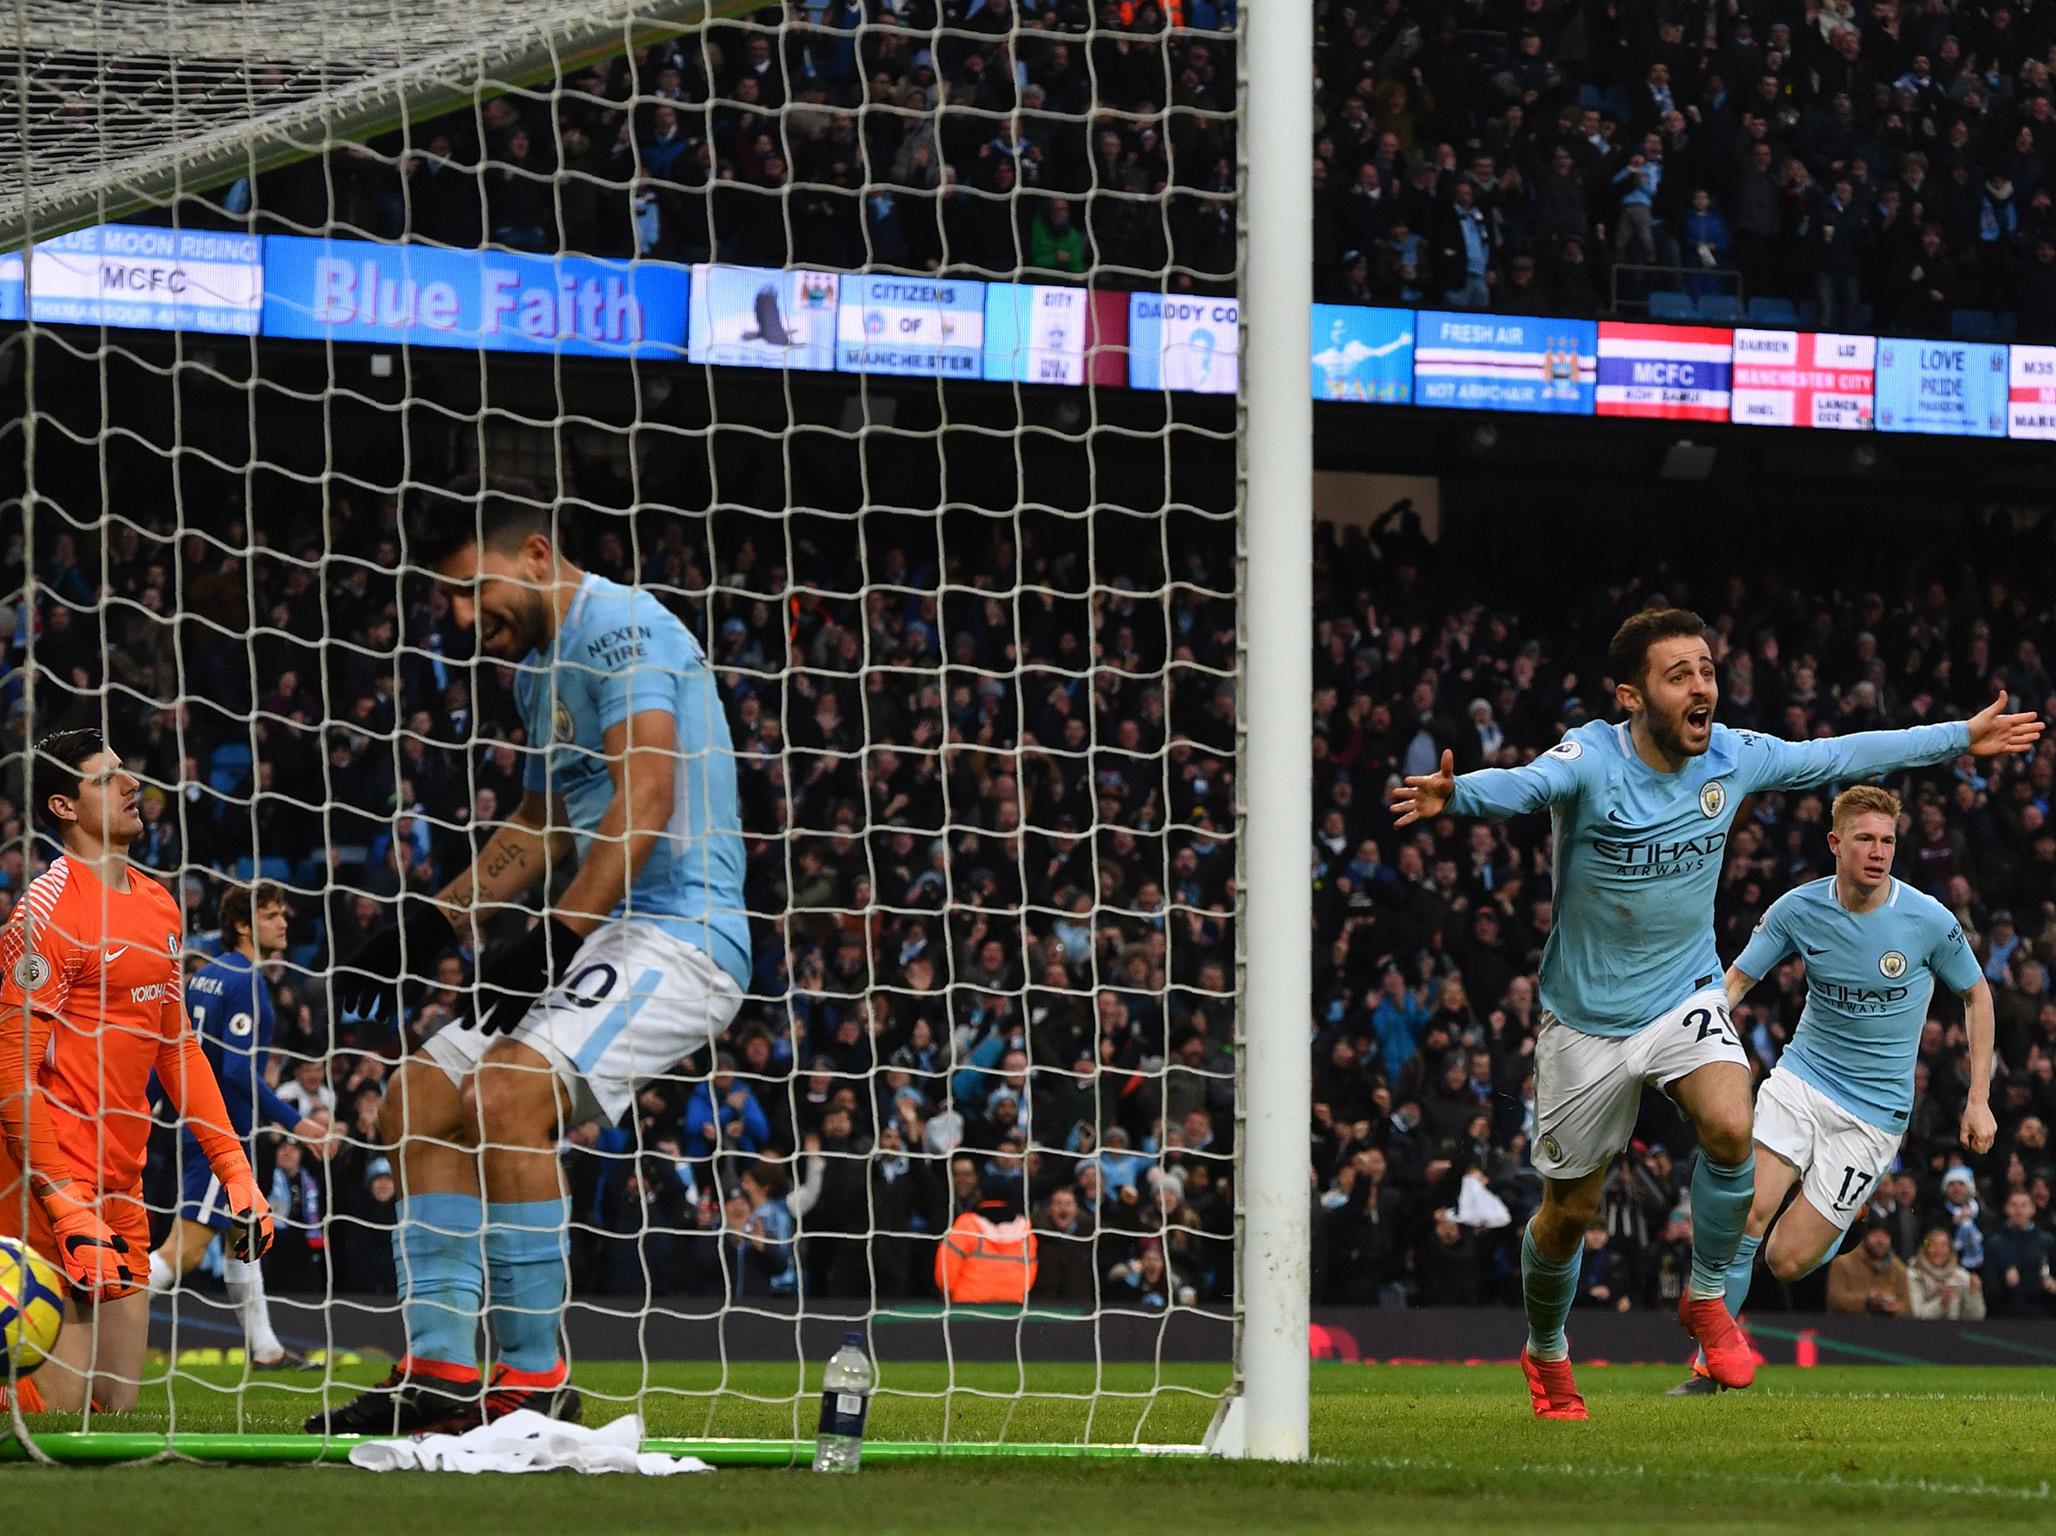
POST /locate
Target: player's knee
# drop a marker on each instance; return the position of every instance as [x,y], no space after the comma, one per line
[1568,1212]
[1787,1266]
[511,1102]
[1725,1135]
[420,1103]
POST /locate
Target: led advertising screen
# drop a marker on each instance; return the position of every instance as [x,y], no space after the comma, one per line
[911,325]
[763,317]
[1178,341]
[2031,393]
[490,301]
[1799,379]
[1040,334]
[1362,355]
[139,277]
[1664,372]
[1505,363]
[1950,388]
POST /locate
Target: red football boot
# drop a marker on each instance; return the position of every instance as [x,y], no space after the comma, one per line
[1551,1389]
[1729,1359]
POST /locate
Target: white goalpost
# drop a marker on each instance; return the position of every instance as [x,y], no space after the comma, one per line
[1277,602]
[939,368]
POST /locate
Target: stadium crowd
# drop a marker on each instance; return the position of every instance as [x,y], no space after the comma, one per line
[985,138]
[1881,165]
[991,873]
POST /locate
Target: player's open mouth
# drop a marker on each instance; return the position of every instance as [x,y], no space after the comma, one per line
[1700,718]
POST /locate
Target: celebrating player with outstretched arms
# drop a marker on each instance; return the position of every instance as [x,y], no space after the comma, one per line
[1631,981]
[1834,1110]
[90,1006]
[641,961]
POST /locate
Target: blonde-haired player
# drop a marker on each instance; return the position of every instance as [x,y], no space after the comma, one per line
[90,1006]
[1833,1111]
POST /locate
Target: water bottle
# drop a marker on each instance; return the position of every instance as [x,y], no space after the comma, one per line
[845,1396]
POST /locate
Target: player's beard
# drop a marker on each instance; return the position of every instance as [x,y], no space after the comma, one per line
[528,625]
[1667,731]
[535,622]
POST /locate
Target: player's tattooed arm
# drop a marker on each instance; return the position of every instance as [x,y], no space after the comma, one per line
[515,858]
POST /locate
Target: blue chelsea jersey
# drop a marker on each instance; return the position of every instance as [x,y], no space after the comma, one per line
[1638,853]
[230,1005]
[620,652]
[1869,977]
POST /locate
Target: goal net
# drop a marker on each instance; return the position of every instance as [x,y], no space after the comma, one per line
[889,347]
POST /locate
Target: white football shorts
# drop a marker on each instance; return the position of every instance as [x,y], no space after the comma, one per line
[637,1001]
[1840,1157]
[1588,1088]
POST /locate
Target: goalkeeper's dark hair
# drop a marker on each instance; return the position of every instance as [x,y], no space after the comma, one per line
[1627,657]
[241,903]
[57,767]
[500,515]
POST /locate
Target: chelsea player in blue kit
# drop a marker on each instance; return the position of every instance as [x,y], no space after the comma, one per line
[640,962]
[1833,1111]
[1631,982]
[230,1004]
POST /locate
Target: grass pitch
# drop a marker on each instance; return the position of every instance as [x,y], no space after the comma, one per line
[1443,1449]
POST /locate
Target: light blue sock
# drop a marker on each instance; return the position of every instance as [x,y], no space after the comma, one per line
[1721,1194]
[1547,1289]
[1741,1270]
[526,1243]
[441,1272]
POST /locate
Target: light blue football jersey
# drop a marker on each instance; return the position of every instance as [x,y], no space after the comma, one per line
[1638,852]
[1869,977]
[620,652]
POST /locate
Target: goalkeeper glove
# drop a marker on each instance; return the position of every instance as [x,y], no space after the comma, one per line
[97,1259]
[369,983]
[525,970]
[250,1237]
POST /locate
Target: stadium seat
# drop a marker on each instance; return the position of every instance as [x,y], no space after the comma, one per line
[228,767]
[1670,306]
[1774,311]
[1719,306]
[1973,324]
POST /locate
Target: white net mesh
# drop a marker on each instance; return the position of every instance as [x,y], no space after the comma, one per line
[766,325]
[119,104]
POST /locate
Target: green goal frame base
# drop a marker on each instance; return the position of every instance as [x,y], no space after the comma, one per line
[78,1449]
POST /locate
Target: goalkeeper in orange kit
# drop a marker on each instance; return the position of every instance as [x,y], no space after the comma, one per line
[91,1003]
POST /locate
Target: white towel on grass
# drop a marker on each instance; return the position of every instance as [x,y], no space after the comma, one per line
[527,1441]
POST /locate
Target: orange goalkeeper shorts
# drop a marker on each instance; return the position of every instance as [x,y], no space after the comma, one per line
[122,1210]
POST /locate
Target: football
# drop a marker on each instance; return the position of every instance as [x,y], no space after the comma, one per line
[31,1305]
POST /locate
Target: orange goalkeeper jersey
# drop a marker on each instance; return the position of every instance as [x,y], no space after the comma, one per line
[91,1003]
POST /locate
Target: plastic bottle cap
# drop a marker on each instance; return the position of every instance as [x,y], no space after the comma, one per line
[854,1338]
